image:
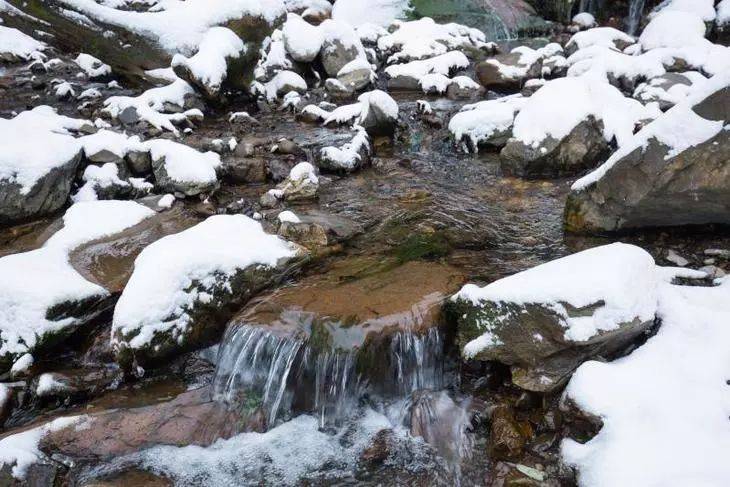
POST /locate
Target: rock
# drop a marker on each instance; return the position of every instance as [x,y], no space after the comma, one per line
[668,89]
[527,320]
[128,116]
[335,88]
[348,158]
[277,170]
[649,183]
[579,150]
[301,184]
[508,72]
[47,195]
[139,162]
[676,259]
[404,81]
[379,114]
[340,46]
[462,87]
[310,235]
[185,306]
[302,40]
[356,75]
[244,170]
[507,436]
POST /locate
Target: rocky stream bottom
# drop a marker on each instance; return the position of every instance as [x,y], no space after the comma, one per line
[347,373]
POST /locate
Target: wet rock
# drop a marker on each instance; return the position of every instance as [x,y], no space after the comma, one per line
[463,87]
[355,75]
[335,88]
[581,149]
[244,170]
[128,116]
[301,184]
[277,169]
[310,235]
[49,193]
[507,435]
[648,185]
[189,419]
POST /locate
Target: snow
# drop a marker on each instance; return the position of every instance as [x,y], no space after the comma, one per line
[106,140]
[92,66]
[47,385]
[158,295]
[665,406]
[348,157]
[288,216]
[21,449]
[37,280]
[282,83]
[98,177]
[380,101]
[585,20]
[623,276]
[599,36]
[210,64]
[89,94]
[676,93]
[441,64]
[23,161]
[22,365]
[183,163]
[359,12]
[434,83]
[302,40]
[182,26]
[20,45]
[672,29]
[519,70]
[64,90]
[424,38]
[302,171]
[340,115]
[679,129]
[705,9]
[166,201]
[480,121]
[575,99]
[150,105]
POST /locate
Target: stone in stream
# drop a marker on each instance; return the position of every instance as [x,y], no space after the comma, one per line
[340,46]
[546,321]
[659,179]
[178,298]
[379,114]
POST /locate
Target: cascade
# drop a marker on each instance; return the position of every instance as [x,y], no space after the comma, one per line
[636,9]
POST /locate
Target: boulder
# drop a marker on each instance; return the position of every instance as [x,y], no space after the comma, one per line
[244,169]
[660,180]
[340,46]
[546,321]
[49,194]
[379,115]
[581,149]
[186,305]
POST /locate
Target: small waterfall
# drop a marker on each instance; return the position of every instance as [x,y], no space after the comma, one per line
[258,368]
[636,10]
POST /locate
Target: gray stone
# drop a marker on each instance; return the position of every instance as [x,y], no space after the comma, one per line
[581,149]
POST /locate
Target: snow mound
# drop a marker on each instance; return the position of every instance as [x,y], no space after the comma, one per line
[585,20]
[159,293]
[92,66]
[599,36]
[705,9]
[23,161]
[35,281]
[14,44]
[477,123]
[378,12]
[673,28]
[575,99]
[681,372]
[621,276]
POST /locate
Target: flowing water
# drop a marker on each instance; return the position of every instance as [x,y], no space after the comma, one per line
[636,10]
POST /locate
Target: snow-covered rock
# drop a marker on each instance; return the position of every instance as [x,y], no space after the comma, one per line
[672,172]
[486,123]
[350,157]
[408,76]
[508,72]
[599,36]
[669,89]
[584,20]
[544,322]
[184,285]
[43,298]
[672,28]
[302,40]
[340,46]
[565,127]
[38,160]
[219,51]
[93,67]
[180,168]
[379,113]
[282,83]
[681,372]
[16,46]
